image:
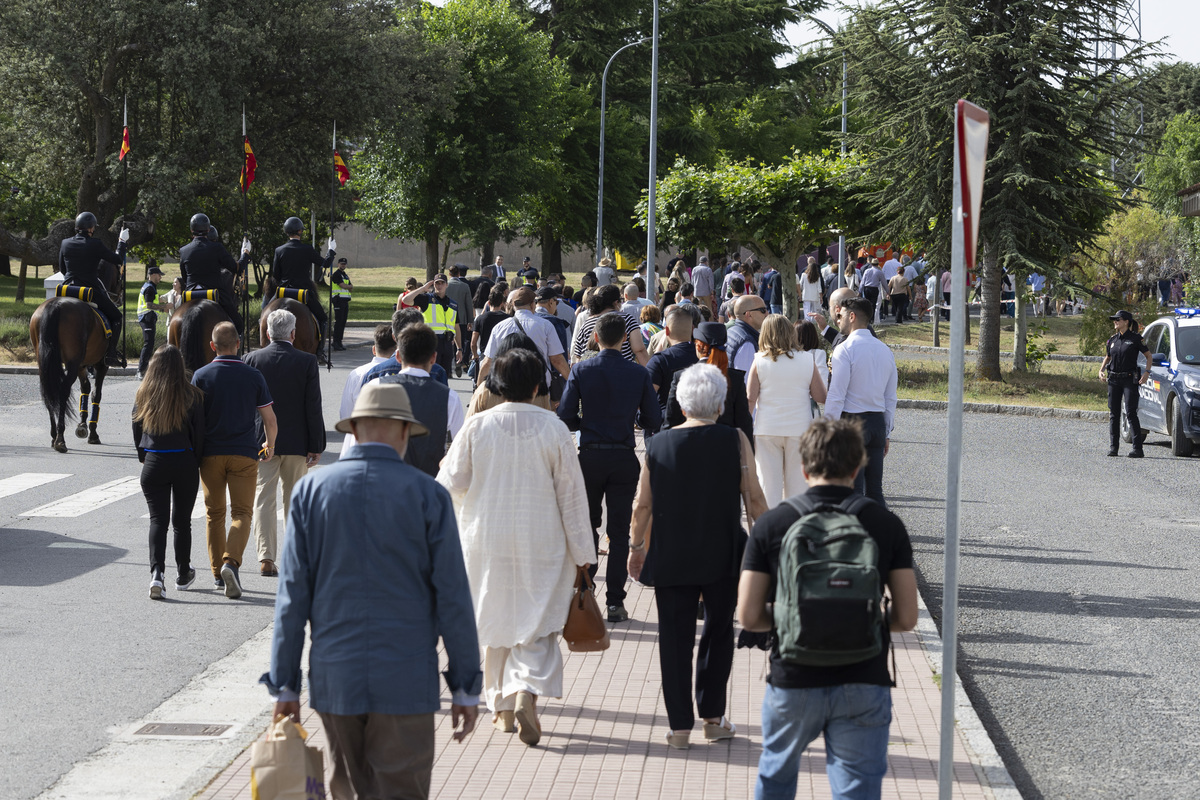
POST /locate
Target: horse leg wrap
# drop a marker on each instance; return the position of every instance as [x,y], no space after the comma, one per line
[95,417]
[83,403]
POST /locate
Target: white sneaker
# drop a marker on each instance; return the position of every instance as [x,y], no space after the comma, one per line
[156,586]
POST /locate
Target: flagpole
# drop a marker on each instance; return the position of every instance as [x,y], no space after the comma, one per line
[332,200]
[124,257]
[245,235]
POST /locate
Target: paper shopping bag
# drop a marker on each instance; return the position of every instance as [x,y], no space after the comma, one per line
[283,767]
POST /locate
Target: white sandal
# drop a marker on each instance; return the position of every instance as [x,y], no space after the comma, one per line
[679,740]
[716,731]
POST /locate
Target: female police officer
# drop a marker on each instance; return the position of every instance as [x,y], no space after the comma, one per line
[1124,376]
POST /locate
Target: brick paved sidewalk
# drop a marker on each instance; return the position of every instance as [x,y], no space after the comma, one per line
[605,738]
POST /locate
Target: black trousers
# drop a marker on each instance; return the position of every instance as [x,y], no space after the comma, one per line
[872,295]
[105,306]
[170,482]
[900,305]
[946,301]
[870,477]
[149,325]
[445,352]
[611,477]
[341,311]
[714,657]
[313,300]
[1126,389]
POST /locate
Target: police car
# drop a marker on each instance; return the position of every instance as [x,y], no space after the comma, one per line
[1169,401]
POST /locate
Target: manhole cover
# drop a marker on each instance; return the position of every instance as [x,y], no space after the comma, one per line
[181,729]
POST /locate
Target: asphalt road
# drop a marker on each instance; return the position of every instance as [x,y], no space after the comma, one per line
[83,651]
[1078,599]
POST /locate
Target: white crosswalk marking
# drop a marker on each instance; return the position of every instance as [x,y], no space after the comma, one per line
[29,480]
[89,499]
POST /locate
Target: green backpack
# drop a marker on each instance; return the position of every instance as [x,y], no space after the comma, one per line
[828,596]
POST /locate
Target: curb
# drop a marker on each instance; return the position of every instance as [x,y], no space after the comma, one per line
[1016,411]
[924,348]
[33,370]
[986,761]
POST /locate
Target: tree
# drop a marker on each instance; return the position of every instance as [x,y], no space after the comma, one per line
[778,212]
[494,143]
[187,69]
[1167,91]
[1174,166]
[1054,128]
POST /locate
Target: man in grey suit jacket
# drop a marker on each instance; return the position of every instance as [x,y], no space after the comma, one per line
[293,380]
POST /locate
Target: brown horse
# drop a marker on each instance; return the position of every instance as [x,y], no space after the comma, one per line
[190,329]
[307,335]
[69,339]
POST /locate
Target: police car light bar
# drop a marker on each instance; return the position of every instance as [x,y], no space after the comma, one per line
[1187,312]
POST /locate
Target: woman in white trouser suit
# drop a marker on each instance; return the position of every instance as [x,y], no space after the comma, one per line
[780,385]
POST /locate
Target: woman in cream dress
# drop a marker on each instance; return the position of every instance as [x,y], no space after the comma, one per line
[522,509]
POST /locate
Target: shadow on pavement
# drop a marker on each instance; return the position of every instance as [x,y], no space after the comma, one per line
[41,558]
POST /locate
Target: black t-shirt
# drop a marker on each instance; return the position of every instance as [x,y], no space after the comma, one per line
[762,555]
[1123,351]
[483,325]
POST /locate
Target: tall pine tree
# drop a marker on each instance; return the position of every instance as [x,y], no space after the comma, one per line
[1055,99]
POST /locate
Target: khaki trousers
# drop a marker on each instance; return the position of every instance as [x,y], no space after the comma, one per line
[239,474]
[287,469]
[380,756]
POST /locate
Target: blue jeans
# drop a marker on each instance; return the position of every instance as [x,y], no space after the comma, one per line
[776,308]
[854,718]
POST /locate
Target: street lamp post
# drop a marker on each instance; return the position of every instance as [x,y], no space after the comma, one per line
[842,261]
[651,244]
[600,192]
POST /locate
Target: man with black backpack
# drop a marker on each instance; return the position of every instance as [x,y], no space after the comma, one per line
[814,572]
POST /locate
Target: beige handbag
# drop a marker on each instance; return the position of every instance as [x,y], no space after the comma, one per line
[283,767]
[585,630]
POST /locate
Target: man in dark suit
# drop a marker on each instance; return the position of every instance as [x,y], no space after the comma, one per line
[293,380]
[616,393]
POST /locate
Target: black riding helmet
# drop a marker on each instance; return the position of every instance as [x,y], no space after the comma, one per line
[213,234]
[85,221]
[293,226]
[200,223]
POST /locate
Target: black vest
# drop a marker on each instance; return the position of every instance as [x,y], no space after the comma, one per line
[428,399]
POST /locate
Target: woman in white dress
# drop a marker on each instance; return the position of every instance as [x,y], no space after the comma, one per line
[780,386]
[513,472]
[810,287]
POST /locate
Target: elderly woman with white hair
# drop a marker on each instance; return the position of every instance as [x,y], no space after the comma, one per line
[688,544]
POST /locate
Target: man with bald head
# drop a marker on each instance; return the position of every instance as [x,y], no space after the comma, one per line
[749,311]
[831,332]
[525,321]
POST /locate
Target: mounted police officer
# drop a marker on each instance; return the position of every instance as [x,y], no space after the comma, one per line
[201,263]
[79,260]
[1120,368]
[292,267]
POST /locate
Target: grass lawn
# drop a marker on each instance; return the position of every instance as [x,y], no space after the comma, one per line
[1063,332]
[1059,384]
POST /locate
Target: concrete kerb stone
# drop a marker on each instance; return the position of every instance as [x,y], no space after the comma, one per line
[1021,411]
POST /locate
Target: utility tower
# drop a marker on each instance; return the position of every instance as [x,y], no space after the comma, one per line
[1124,27]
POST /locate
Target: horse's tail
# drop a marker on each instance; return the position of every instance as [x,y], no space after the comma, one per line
[53,375]
[191,338]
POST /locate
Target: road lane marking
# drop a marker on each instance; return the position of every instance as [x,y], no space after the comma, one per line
[89,499]
[29,480]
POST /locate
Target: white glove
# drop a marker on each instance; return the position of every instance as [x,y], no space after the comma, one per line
[245,246]
[124,236]
[331,245]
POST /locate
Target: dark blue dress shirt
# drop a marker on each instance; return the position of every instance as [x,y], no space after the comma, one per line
[663,365]
[612,395]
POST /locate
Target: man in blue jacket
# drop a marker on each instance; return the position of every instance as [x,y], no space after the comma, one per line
[373,561]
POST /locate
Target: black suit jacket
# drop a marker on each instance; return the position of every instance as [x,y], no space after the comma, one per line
[295,387]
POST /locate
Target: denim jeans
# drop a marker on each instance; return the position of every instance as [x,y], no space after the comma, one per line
[854,718]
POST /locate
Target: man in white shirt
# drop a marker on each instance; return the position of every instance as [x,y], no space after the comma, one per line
[524,320]
[862,384]
[604,272]
[890,268]
[633,302]
[383,349]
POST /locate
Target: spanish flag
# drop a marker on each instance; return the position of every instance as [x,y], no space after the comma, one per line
[250,165]
[124,144]
[343,172]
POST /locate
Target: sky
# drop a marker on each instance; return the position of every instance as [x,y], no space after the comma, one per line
[1174,21]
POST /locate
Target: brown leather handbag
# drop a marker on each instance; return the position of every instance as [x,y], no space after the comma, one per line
[585,631]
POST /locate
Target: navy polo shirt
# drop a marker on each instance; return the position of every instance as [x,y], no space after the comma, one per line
[233,393]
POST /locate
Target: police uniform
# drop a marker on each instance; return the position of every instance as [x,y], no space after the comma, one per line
[79,260]
[341,304]
[1123,375]
[204,264]
[442,316]
[292,267]
[148,320]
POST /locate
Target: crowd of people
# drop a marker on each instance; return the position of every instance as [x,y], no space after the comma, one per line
[471,524]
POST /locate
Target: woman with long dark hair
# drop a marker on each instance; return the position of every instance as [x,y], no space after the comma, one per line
[168,431]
